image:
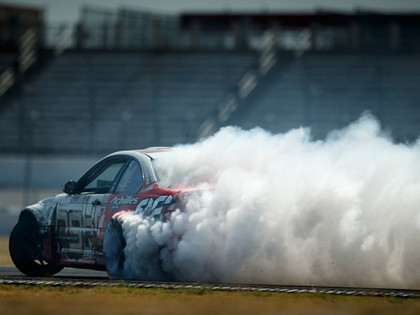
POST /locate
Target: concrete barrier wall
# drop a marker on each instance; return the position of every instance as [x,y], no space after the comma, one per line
[7,222]
[39,171]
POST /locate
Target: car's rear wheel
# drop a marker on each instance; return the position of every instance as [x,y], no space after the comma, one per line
[113,249]
[25,247]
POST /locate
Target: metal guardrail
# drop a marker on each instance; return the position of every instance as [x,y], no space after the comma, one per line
[213,287]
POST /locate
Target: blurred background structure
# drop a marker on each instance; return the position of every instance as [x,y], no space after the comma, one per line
[129,78]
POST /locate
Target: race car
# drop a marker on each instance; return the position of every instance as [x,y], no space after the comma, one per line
[69,230]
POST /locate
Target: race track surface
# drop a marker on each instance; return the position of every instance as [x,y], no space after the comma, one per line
[66,273]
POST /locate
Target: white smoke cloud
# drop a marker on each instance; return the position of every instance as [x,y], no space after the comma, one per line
[288,210]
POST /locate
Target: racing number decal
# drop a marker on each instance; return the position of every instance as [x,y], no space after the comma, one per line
[101,219]
[153,206]
[76,227]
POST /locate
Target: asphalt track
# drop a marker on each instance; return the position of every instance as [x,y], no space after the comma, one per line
[89,278]
[69,273]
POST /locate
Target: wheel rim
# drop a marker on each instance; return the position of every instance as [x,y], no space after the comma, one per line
[32,247]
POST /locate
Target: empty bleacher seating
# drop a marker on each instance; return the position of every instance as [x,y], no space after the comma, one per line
[104,101]
[326,91]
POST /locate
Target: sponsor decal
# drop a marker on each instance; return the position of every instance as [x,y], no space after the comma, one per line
[153,206]
[116,202]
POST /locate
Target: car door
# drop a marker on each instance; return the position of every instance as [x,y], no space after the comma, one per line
[79,216]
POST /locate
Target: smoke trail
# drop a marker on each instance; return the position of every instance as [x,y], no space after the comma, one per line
[288,210]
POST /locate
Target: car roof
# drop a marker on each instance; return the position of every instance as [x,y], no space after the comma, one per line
[154,151]
[149,153]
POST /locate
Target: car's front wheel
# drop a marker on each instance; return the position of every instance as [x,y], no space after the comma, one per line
[25,247]
[113,249]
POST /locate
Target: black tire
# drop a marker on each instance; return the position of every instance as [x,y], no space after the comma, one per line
[25,247]
[113,249]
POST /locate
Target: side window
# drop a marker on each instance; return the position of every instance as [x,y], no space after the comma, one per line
[102,182]
[131,181]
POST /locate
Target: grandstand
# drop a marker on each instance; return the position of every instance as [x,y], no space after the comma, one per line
[127,79]
[99,102]
[327,91]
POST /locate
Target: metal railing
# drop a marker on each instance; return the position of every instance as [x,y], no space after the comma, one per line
[27,55]
[247,83]
[117,36]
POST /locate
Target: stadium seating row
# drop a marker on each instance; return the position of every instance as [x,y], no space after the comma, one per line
[103,101]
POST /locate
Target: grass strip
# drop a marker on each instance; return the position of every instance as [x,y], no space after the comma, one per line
[27,299]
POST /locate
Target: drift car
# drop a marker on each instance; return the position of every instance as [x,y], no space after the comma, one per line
[69,230]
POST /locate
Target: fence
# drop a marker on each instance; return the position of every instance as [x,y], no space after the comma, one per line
[130,29]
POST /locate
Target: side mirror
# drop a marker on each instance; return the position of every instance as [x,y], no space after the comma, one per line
[70,187]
